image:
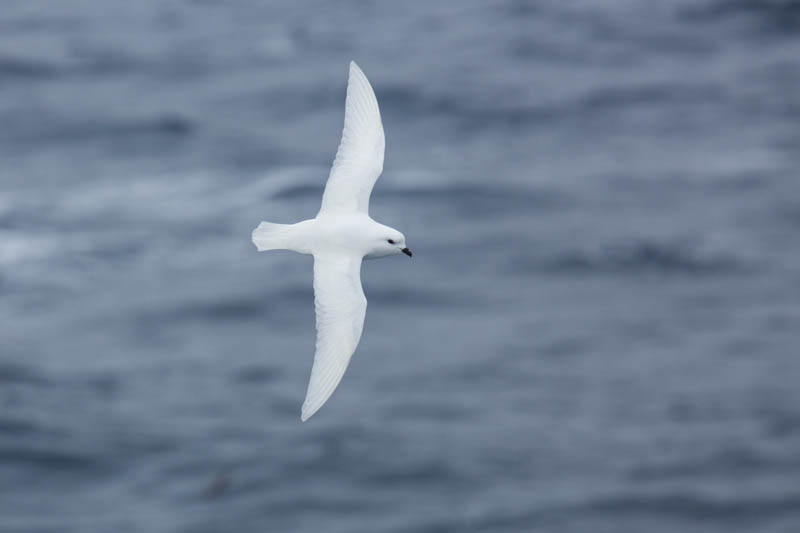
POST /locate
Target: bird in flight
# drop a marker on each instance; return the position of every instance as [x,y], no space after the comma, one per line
[339,237]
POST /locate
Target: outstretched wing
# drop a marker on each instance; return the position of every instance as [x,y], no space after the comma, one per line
[359,159]
[340,305]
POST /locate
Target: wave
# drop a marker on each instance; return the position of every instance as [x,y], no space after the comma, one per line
[47,459]
[697,506]
[724,462]
[617,510]
[24,128]
[14,374]
[236,308]
[645,256]
[770,17]
[12,68]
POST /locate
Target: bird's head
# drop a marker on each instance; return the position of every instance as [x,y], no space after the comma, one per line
[389,242]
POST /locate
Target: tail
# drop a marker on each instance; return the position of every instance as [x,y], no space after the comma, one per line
[269,236]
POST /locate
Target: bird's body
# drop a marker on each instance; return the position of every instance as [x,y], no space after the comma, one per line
[335,233]
[339,237]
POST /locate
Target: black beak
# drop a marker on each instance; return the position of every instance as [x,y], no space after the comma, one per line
[406,251]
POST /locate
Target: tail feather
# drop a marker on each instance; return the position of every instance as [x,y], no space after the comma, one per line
[269,236]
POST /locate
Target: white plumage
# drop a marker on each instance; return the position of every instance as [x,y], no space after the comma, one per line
[339,237]
[359,159]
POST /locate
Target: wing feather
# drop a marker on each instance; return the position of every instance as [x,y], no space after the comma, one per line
[359,159]
[340,307]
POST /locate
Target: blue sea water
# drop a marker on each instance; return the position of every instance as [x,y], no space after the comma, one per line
[598,331]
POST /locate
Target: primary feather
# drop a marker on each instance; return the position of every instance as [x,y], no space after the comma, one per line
[359,159]
[340,308]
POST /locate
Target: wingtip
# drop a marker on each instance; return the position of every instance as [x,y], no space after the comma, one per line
[306,413]
[310,408]
[355,68]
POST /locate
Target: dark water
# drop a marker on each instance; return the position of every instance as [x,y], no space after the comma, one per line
[598,332]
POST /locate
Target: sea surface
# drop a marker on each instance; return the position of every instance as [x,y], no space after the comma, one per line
[599,330]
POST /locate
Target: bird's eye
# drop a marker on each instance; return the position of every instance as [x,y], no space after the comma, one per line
[390,241]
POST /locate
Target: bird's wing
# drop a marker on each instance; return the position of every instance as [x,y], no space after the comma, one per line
[340,305]
[359,159]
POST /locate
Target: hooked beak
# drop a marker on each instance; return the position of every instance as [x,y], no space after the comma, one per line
[406,251]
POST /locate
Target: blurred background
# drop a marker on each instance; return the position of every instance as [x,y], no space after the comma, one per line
[598,331]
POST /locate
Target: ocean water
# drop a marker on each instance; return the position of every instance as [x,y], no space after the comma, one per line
[599,330]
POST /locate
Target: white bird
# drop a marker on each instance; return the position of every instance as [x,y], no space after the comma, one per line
[341,235]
